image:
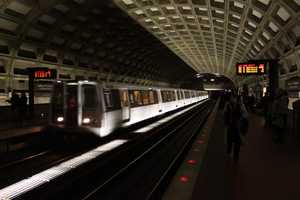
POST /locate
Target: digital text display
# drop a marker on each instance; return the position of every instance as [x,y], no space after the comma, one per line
[251,68]
[43,73]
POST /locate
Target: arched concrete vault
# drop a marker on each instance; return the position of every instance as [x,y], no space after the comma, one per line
[183,36]
[91,35]
[213,35]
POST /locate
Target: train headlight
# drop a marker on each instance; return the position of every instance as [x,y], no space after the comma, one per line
[60,119]
[86,120]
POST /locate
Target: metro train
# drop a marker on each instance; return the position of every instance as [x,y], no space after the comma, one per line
[101,109]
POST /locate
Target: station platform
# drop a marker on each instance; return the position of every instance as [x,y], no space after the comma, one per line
[8,124]
[12,125]
[18,132]
[14,133]
[265,170]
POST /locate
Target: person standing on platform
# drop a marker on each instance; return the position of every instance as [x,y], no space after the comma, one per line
[280,115]
[266,102]
[23,107]
[243,119]
[232,114]
[283,114]
[251,102]
[14,102]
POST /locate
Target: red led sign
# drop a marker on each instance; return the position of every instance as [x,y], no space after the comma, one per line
[43,73]
[251,68]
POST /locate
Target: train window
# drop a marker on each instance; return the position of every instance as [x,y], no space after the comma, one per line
[173,96]
[164,96]
[145,96]
[58,95]
[168,96]
[187,94]
[108,99]
[112,99]
[90,97]
[152,97]
[142,97]
[182,94]
[124,98]
[137,98]
[116,99]
[131,98]
[72,96]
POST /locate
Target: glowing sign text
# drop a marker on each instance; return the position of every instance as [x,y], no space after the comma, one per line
[251,68]
[43,73]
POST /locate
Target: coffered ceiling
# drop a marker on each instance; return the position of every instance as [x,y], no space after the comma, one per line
[213,35]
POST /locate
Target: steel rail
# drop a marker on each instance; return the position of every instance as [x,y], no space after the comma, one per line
[174,130]
[12,163]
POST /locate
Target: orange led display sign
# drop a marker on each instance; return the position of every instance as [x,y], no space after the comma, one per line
[43,73]
[251,68]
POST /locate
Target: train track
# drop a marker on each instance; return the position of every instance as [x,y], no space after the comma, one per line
[19,161]
[120,171]
[150,166]
[109,161]
[19,169]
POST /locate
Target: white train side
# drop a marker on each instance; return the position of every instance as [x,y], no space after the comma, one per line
[91,106]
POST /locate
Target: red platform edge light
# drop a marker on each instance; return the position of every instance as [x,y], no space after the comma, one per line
[191,162]
[184,179]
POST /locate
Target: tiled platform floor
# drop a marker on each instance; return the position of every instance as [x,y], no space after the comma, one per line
[265,170]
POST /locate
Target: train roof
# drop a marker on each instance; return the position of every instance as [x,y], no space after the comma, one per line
[114,85]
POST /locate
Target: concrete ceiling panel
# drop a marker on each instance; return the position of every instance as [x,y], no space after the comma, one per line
[19,7]
[8,25]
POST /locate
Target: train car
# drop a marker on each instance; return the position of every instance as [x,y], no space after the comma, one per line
[101,109]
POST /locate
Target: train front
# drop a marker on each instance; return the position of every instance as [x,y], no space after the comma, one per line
[76,107]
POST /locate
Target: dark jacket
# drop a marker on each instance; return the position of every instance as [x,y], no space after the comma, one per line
[232,117]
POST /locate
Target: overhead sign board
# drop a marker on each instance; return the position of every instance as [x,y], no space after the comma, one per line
[43,73]
[259,68]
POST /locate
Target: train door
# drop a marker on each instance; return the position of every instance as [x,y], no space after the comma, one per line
[57,104]
[125,105]
[71,109]
[91,110]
